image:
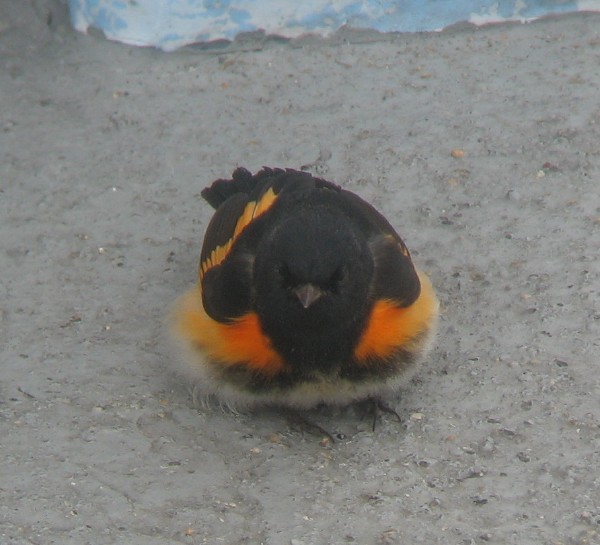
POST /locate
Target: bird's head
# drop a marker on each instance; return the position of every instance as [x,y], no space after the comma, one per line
[312,276]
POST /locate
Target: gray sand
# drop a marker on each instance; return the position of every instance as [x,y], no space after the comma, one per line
[104,150]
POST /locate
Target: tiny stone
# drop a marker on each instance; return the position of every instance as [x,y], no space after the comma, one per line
[513,195]
[523,457]
[325,441]
[488,446]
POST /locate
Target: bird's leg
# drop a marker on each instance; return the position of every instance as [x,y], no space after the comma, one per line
[374,405]
[295,417]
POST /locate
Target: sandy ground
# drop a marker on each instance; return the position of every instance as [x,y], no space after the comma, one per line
[104,150]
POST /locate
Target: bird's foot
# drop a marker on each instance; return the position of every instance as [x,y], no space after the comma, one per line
[373,406]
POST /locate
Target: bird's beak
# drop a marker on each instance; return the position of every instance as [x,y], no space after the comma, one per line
[307,294]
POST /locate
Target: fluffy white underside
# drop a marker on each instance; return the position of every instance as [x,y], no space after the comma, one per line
[208,385]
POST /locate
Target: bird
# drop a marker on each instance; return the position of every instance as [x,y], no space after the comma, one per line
[306,296]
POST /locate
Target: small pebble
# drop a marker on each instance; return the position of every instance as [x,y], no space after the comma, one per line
[457,153]
[523,457]
[513,195]
[550,167]
[489,446]
[325,442]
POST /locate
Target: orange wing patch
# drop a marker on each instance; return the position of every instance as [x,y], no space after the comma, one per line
[390,327]
[253,210]
[241,342]
[215,257]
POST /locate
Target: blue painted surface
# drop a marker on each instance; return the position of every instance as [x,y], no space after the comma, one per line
[169,24]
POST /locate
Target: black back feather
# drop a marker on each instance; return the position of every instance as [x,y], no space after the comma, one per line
[228,288]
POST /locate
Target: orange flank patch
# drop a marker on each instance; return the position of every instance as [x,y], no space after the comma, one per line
[390,327]
[253,210]
[238,343]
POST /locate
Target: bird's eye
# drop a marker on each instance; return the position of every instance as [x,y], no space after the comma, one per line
[287,278]
[337,278]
